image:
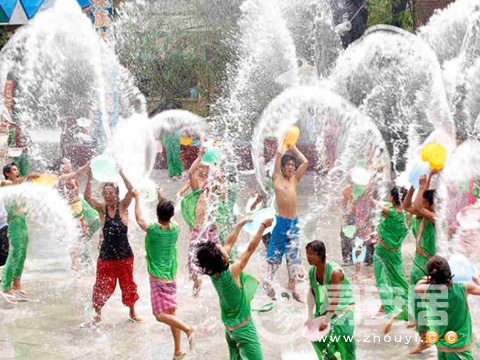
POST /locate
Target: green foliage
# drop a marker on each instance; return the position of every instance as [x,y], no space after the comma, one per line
[381,12]
[3,36]
[171,52]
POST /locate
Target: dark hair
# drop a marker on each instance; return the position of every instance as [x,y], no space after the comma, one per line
[111,185]
[210,259]
[398,194]
[429,195]
[165,210]
[287,157]
[439,271]
[318,247]
[7,169]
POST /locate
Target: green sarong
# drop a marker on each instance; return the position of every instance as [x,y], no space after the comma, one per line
[447,310]
[18,235]
[425,249]
[392,283]
[340,341]
[464,355]
[171,141]
[243,343]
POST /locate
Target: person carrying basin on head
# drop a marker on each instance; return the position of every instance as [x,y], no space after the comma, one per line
[115,260]
[289,170]
[18,236]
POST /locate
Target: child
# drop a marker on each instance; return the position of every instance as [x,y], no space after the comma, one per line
[161,248]
[235,291]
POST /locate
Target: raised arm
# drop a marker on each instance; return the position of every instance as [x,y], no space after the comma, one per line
[232,238]
[303,163]
[20,180]
[129,195]
[472,289]
[418,203]
[242,262]
[88,195]
[407,203]
[138,212]
[76,174]
[193,168]
[278,161]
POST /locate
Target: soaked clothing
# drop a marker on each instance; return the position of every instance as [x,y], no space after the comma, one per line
[425,249]
[161,248]
[241,334]
[163,296]
[115,244]
[284,241]
[18,236]
[342,324]
[452,301]
[392,283]
[171,141]
[108,271]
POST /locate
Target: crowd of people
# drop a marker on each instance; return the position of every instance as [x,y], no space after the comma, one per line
[212,252]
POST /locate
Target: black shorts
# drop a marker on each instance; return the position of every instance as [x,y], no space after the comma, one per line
[4,245]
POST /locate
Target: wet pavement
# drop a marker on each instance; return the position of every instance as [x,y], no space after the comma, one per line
[50,326]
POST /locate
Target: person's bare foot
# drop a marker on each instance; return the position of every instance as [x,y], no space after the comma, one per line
[380,314]
[389,325]
[423,345]
[133,316]
[192,337]
[411,325]
[95,322]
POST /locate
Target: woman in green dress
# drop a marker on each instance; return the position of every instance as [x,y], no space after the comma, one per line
[445,297]
[392,283]
[423,228]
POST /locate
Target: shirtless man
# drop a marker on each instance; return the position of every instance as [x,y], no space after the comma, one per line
[67,185]
[115,260]
[289,169]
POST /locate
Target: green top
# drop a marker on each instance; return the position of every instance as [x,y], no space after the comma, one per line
[449,312]
[427,242]
[234,300]
[161,247]
[171,137]
[393,229]
[321,300]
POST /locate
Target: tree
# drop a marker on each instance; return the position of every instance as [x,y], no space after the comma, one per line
[174,47]
[391,12]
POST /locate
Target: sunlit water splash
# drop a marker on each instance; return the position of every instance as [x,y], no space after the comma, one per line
[394,78]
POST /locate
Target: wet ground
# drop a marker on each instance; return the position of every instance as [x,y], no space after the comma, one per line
[49,327]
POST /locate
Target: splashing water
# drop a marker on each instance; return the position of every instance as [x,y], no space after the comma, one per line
[394,78]
[346,137]
[458,189]
[65,73]
[52,228]
[265,50]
